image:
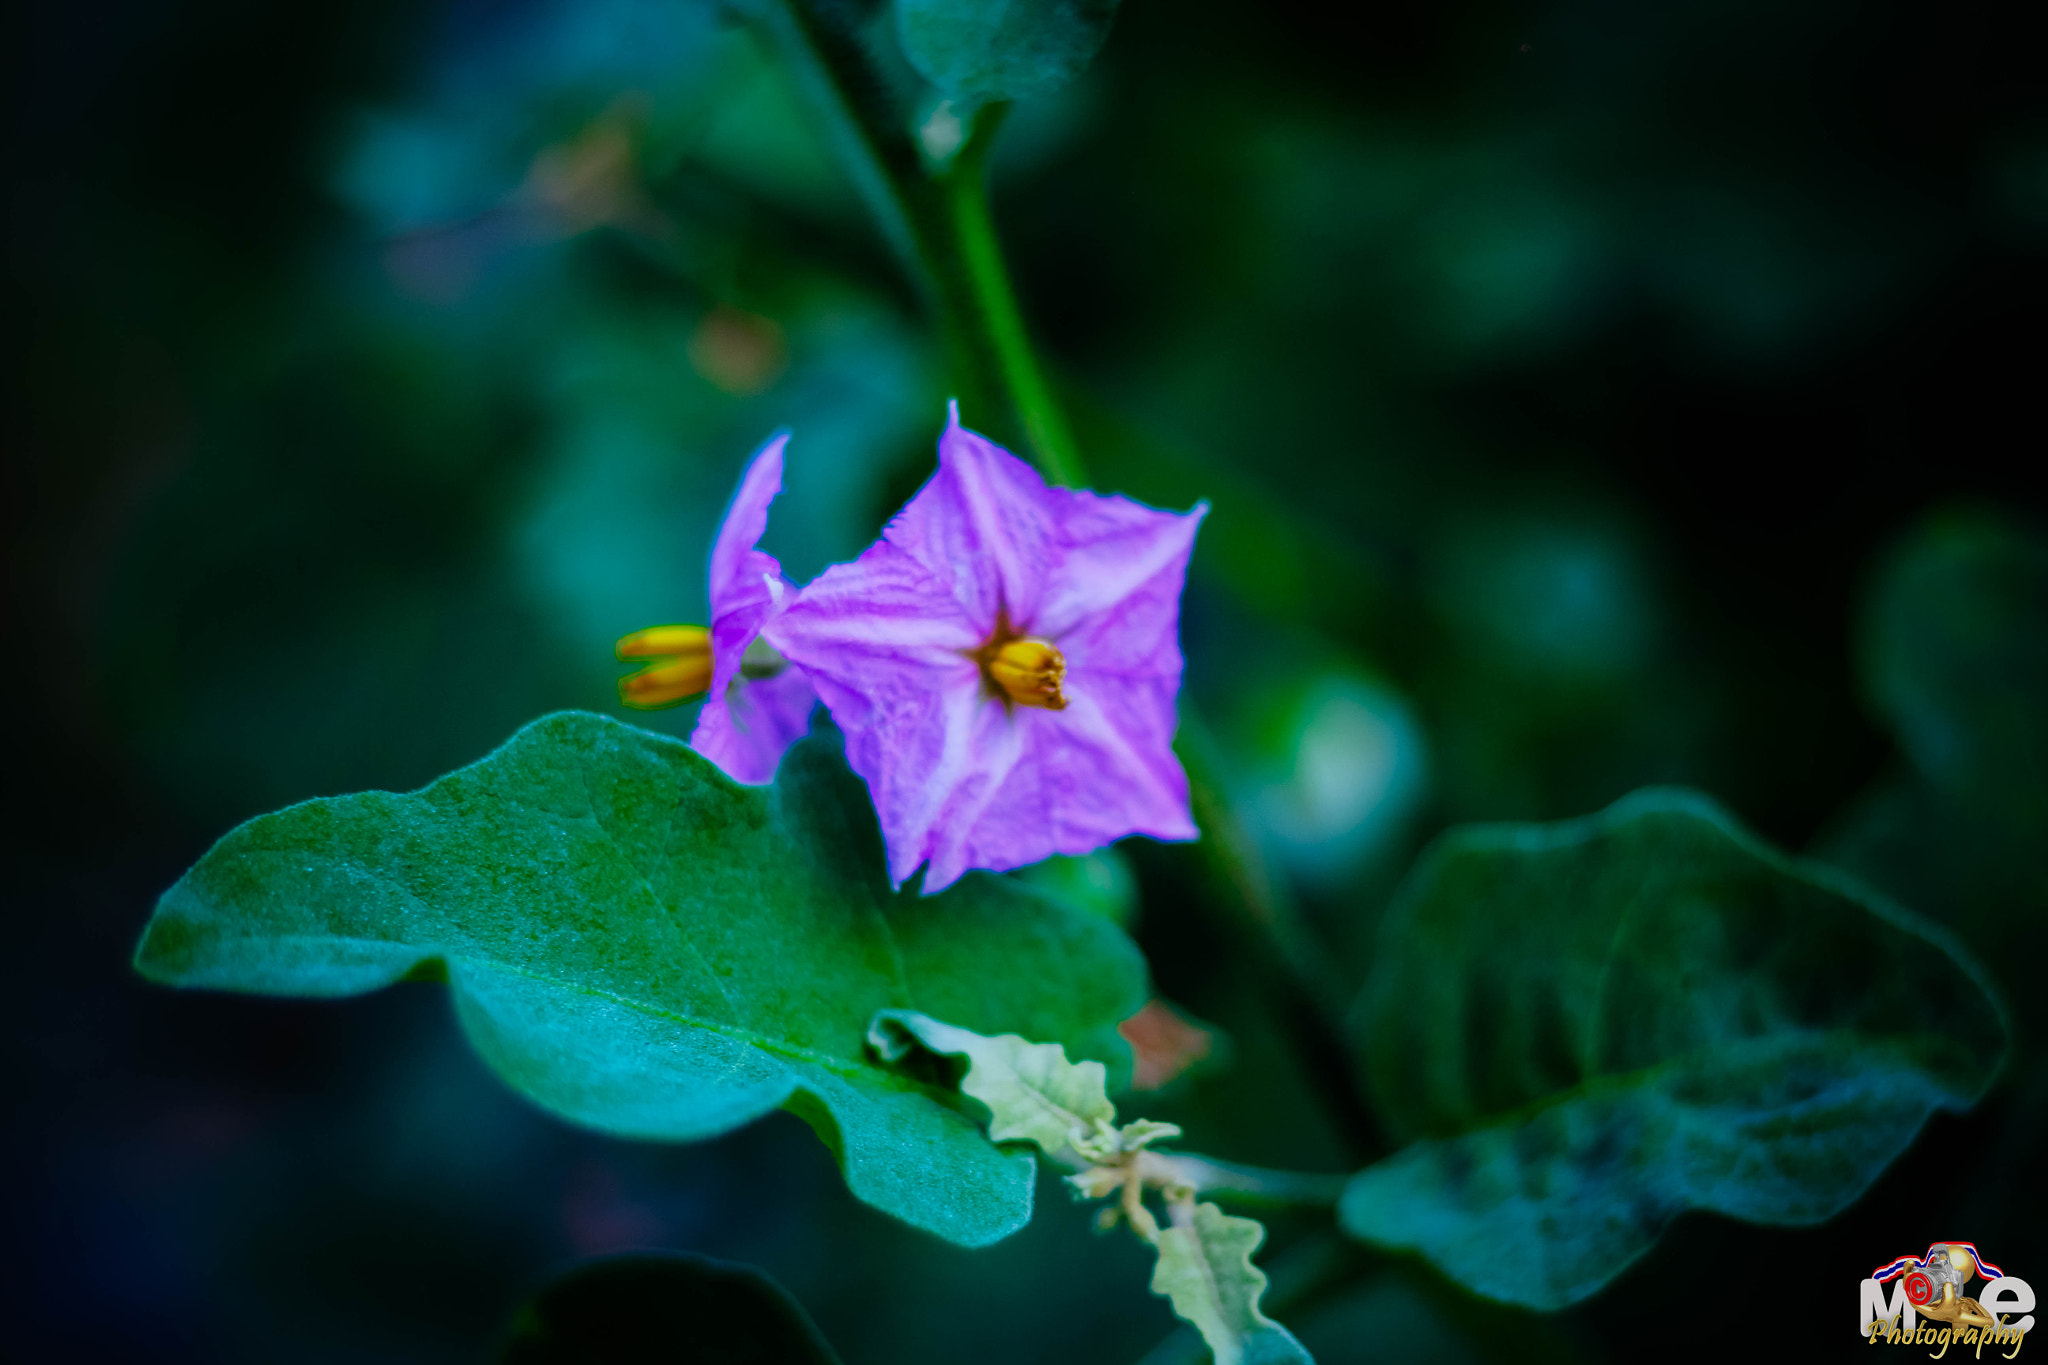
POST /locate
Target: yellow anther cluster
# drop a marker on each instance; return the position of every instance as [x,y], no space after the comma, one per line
[1029,671]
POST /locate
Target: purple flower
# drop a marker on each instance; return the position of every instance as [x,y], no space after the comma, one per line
[758,705]
[1004,663]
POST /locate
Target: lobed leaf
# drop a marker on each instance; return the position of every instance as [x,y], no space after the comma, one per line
[1205,1270]
[1593,1026]
[1033,1093]
[643,946]
[641,1308]
[978,51]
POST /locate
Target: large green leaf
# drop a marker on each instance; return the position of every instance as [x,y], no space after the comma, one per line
[982,50]
[1593,1026]
[643,946]
[661,1308]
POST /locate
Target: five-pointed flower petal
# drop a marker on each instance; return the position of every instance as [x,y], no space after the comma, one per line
[1004,664]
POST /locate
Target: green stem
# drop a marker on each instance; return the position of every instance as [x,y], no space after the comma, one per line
[987,310]
[1251,1184]
[938,223]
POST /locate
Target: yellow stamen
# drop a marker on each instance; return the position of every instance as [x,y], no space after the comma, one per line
[656,641]
[680,667]
[1028,671]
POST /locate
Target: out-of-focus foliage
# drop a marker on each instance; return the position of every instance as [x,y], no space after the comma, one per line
[1343,770]
[518,394]
[979,50]
[1955,660]
[1101,881]
[641,1309]
[1595,1026]
[1954,655]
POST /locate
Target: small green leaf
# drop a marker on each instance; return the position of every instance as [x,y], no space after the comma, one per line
[1205,1269]
[640,945]
[1596,1025]
[656,1308]
[1033,1093]
[983,50]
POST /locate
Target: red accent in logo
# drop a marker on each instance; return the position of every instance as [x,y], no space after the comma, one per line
[1919,1289]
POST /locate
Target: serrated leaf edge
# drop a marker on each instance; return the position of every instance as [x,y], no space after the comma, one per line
[990,1077]
[1188,1244]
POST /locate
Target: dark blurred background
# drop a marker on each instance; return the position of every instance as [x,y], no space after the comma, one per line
[1560,374]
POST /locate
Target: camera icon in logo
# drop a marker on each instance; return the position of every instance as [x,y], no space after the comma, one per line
[1932,1287]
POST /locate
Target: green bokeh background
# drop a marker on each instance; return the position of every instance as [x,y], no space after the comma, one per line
[1561,376]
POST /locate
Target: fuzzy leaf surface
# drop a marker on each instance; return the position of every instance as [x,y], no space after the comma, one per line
[1590,1027]
[1205,1270]
[645,947]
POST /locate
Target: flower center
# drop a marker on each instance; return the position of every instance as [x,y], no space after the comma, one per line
[1026,670]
